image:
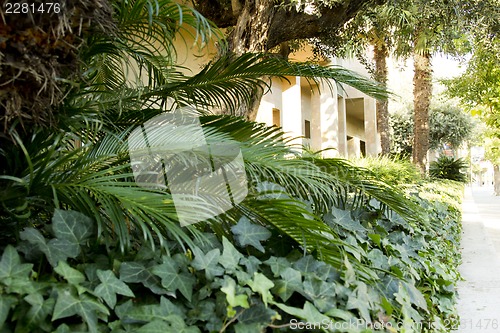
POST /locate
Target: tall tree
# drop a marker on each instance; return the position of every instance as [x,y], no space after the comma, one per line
[428,28]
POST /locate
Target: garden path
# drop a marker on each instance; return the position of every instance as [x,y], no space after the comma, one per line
[479,294]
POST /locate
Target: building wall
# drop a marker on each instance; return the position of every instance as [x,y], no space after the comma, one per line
[336,126]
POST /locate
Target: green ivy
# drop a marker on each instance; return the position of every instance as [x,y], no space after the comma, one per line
[62,279]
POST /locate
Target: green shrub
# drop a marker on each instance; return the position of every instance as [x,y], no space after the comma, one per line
[449,168]
[391,170]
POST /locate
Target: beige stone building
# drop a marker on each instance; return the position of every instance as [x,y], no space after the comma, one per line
[339,121]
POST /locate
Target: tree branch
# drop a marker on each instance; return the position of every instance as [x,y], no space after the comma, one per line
[291,25]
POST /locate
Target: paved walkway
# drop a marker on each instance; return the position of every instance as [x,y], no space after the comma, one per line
[479,294]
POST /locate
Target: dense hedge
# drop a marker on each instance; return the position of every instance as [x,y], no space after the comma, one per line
[61,279]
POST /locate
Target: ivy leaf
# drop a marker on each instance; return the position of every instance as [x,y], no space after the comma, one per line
[307,264]
[341,314]
[257,314]
[132,314]
[55,250]
[229,288]
[110,286]
[360,301]
[278,265]
[208,262]
[349,274]
[262,285]
[11,267]
[6,301]
[68,305]
[316,288]
[156,326]
[40,309]
[403,298]
[248,233]
[172,279]
[230,257]
[70,274]
[416,296]
[60,250]
[309,313]
[172,324]
[137,272]
[291,282]
[63,328]
[343,218]
[247,328]
[251,263]
[72,226]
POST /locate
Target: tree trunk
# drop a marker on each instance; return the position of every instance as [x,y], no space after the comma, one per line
[251,31]
[422,93]
[251,34]
[496,178]
[380,54]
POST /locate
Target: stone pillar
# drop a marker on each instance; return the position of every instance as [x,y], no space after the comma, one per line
[371,137]
[292,112]
[342,127]
[328,120]
[354,147]
[316,118]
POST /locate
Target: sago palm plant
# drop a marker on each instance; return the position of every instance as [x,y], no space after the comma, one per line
[128,76]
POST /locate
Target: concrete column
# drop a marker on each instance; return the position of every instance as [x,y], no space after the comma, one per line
[292,112]
[342,127]
[316,121]
[354,147]
[328,119]
[371,136]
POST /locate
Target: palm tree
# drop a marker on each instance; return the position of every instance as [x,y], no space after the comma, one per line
[82,162]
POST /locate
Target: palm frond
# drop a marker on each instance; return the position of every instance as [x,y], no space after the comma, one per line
[142,51]
[97,180]
[231,81]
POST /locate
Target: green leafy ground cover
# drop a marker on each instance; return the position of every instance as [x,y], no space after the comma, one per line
[318,244]
[62,279]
